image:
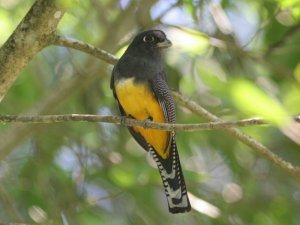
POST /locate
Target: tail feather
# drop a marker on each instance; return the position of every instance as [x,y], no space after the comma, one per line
[173,180]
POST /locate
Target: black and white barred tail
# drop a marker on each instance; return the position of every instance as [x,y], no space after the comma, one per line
[172,178]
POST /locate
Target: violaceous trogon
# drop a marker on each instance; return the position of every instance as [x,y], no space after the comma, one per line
[139,85]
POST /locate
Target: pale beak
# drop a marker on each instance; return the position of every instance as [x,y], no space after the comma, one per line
[164,44]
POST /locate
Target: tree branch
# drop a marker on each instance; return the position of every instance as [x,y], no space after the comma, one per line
[87,48]
[132,122]
[34,32]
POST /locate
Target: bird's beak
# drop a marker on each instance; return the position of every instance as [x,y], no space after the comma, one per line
[164,44]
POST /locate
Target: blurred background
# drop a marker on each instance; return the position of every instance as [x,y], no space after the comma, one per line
[238,59]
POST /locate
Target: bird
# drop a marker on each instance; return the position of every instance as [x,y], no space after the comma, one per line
[140,87]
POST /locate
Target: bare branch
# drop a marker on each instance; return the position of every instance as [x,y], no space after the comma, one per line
[87,48]
[132,122]
[34,32]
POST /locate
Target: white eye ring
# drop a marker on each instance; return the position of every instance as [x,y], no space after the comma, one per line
[148,38]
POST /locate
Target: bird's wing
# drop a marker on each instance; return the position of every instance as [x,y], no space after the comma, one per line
[170,168]
[161,90]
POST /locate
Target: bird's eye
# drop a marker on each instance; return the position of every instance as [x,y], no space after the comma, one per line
[148,38]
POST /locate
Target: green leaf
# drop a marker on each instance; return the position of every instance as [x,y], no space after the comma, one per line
[291,99]
[189,40]
[122,177]
[292,5]
[255,102]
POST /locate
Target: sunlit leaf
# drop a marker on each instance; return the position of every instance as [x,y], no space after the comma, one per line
[5,26]
[188,84]
[291,99]
[66,4]
[189,40]
[297,72]
[124,178]
[121,51]
[254,102]
[292,5]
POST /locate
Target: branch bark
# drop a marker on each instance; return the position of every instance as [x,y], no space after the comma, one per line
[35,32]
[132,122]
[87,48]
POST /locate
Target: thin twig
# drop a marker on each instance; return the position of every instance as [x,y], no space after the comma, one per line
[87,48]
[132,122]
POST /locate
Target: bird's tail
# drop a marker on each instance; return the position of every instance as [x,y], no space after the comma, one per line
[173,181]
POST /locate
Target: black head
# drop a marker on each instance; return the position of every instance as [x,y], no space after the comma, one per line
[142,58]
[151,40]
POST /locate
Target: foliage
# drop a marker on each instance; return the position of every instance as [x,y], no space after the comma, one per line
[238,59]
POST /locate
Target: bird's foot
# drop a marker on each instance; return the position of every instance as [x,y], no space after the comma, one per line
[145,123]
[123,120]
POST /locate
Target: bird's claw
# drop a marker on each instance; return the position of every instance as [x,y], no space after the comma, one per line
[123,120]
[145,123]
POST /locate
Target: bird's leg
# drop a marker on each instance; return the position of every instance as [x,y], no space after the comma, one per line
[145,122]
[123,120]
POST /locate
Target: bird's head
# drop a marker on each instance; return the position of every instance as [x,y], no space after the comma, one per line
[151,40]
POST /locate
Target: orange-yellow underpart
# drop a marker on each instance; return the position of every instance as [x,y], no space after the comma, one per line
[139,101]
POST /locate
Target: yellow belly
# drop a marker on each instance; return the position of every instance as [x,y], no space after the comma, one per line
[138,101]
